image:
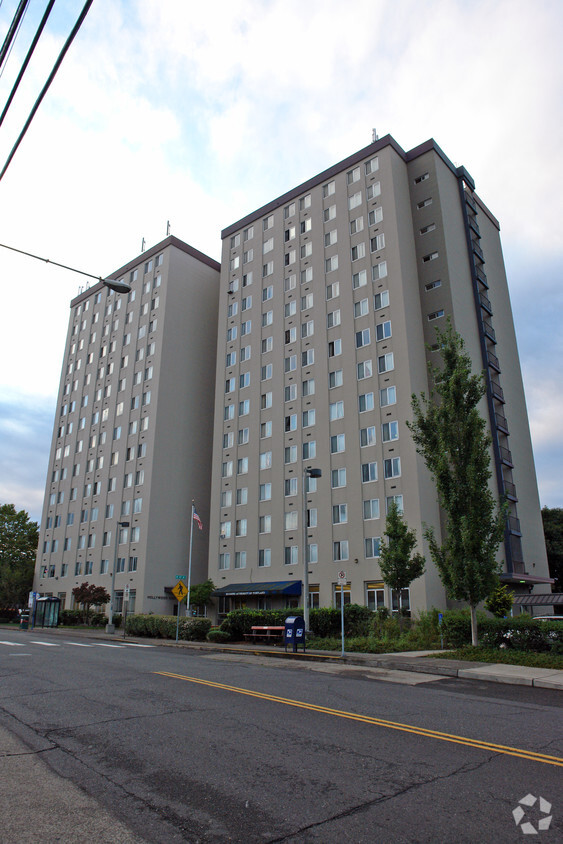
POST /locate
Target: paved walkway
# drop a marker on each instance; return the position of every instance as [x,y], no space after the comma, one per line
[421,662]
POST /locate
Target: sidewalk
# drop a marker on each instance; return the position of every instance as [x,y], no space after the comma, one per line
[422,662]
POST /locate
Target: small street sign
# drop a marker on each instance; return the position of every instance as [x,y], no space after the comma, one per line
[180,591]
[180,577]
[342,578]
[126,593]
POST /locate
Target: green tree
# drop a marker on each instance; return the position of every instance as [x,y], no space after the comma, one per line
[200,593]
[18,547]
[398,568]
[451,436]
[88,595]
[553,531]
[500,601]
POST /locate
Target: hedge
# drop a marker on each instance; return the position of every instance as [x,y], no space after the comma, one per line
[164,627]
[73,618]
[520,633]
[323,622]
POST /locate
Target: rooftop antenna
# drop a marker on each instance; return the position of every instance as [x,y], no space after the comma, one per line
[143,244]
[167,228]
[374,135]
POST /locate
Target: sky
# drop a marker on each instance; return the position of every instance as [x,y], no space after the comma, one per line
[199,113]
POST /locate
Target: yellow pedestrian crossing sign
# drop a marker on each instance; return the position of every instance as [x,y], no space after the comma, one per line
[180,591]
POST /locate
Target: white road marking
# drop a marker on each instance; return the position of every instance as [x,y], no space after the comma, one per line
[13,644]
[137,645]
[79,644]
[19,654]
[46,644]
[103,645]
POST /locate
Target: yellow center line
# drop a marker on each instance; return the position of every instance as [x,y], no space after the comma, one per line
[378,722]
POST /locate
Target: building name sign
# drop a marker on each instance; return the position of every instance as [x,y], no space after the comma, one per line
[158,598]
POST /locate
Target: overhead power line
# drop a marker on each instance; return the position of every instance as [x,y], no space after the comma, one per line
[27,59]
[47,85]
[13,30]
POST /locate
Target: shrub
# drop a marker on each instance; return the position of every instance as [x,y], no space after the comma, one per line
[326,622]
[164,627]
[218,636]
[521,633]
[239,622]
[194,629]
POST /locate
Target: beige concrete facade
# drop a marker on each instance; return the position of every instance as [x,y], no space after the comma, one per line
[330,296]
[132,436]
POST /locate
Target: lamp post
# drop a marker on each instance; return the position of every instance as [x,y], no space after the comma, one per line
[110,627]
[307,473]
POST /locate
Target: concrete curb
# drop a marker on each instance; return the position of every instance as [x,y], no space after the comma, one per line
[418,661]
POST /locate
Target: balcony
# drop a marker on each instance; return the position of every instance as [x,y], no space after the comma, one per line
[510,490]
[497,391]
[471,202]
[493,361]
[506,456]
[489,331]
[474,225]
[477,250]
[481,277]
[485,303]
[501,423]
[514,525]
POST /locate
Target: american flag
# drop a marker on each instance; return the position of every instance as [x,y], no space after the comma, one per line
[196,518]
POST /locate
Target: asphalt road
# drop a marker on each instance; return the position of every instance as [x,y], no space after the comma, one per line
[174,745]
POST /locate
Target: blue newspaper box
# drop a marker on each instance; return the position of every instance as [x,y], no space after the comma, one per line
[294,633]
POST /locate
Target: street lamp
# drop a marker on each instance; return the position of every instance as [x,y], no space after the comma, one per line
[117,285]
[110,626]
[307,473]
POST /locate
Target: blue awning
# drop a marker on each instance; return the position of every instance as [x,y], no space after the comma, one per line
[278,587]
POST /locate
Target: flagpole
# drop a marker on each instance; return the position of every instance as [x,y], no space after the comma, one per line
[190,559]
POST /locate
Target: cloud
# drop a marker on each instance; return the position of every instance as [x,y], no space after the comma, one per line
[199,114]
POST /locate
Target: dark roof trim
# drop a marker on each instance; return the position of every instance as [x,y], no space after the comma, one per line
[372,149]
[550,599]
[316,180]
[145,256]
[530,579]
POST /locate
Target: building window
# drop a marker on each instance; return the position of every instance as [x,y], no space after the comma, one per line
[265,493]
[265,401]
[242,495]
[340,550]
[375,216]
[385,363]
[267,344]
[371,508]
[240,527]
[331,237]
[290,486]
[392,467]
[359,279]
[379,271]
[381,300]
[308,387]
[290,520]
[266,460]
[224,561]
[338,478]
[290,392]
[331,264]
[240,559]
[305,202]
[390,431]
[335,379]
[308,357]
[372,165]
[364,369]
[432,256]
[337,443]
[421,178]
[372,546]
[265,524]
[248,233]
[376,243]
[334,348]
[264,557]
[242,466]
[373,191]
[308,418]
[383,330]
[396,499]
[309,450]
[358,251]
[265,429]
[361,308]
[353,176]
[336,409]
[225,530]
[290,454]
[329,189]
[290,422]
[333,290]
[339,514]
[362,338]
[369,472]
[387,396]
[436,315]
[432,285]
[367,436]
[291,555]
[333,318]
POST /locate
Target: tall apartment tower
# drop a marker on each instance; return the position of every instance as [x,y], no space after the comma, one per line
[329,302]
[132,439]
